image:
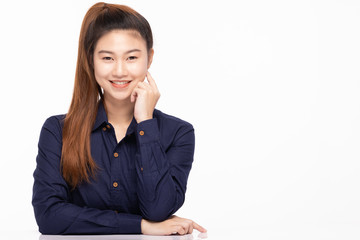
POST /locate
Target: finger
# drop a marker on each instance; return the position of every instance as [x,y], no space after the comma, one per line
[191,228]
[140,85]
[138,91]
[133,95]
[143,85]
[185,226]
[150,80]
[180,230]
[190,225]
[199,228]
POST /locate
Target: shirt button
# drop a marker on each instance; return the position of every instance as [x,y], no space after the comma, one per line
[142,169]
[141,133]
[108,126]
[115,184]
[116,154]
[104,129]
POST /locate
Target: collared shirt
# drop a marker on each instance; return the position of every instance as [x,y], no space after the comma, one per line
[142,176]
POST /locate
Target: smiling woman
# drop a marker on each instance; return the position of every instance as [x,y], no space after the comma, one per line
[121,61]
[113,163]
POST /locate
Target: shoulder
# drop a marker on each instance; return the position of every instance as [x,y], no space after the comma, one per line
[50,146]
[54,125]
[174,131]
[56,121]
[169,121]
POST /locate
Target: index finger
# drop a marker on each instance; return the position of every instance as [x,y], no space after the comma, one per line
[150,79]
[199,228]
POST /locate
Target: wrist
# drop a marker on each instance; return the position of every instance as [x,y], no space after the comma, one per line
[144,226]
[142,119]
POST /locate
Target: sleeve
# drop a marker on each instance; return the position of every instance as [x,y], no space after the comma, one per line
[54,212]
[162,175]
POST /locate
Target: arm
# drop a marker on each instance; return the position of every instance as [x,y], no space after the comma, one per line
[54,212]
[162,176]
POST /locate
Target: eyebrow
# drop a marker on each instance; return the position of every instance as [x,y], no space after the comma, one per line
[127,52]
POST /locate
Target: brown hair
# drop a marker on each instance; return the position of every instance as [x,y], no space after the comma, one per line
[77,163]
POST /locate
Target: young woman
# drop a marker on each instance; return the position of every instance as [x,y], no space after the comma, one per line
[113,164]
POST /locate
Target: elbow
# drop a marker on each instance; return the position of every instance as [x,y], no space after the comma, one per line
[49,227]
[48,224]
[159,209]
[49,231]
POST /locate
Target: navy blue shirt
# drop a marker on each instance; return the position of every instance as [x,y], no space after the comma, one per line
[142,176]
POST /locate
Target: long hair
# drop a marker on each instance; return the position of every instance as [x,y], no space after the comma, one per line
[77,164]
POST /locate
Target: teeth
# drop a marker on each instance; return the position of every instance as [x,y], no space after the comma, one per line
[119,83]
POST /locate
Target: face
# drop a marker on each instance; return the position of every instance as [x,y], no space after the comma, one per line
[121,61]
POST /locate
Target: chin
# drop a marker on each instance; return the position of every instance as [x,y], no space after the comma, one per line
[117,97]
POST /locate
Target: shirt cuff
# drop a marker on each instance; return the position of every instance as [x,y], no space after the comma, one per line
[147,131]
[129,223]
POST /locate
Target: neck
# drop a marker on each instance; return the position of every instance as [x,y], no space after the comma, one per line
[119,112]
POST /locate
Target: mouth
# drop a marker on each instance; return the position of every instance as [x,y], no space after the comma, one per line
[119,84]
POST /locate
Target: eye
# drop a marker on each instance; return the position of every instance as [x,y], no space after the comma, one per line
[132,58]
[107,58]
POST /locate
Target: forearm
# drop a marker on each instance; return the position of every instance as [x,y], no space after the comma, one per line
[55,215]
[162,175]
[159,196]
[71,219]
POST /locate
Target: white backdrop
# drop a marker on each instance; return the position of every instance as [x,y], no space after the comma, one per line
[271,87]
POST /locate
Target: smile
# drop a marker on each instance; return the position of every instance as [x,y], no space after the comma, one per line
[120,84]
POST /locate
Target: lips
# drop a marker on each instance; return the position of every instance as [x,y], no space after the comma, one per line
[120,84]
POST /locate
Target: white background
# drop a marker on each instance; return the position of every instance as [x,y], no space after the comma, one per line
[271,87]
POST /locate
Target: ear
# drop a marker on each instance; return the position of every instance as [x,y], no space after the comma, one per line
[150,58]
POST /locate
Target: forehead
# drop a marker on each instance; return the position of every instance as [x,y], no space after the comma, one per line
[120,40]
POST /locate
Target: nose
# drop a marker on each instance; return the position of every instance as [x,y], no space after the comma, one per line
[119,69]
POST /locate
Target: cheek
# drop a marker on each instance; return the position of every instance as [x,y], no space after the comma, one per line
[139,69]
[101,70]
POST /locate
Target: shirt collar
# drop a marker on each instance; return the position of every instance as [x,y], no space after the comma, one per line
[132,127]
[101,116]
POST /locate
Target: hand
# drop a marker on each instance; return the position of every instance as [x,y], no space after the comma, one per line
[173,225]
[145,95]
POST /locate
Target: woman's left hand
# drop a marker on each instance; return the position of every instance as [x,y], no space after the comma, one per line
[173,225]
[145,95]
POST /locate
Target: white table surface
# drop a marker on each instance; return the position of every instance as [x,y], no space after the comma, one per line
[34,235]
[123,237]
[348,231]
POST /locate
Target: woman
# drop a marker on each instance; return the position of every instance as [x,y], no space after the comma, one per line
[113,164]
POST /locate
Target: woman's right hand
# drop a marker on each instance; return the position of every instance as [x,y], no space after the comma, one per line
[173,225]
